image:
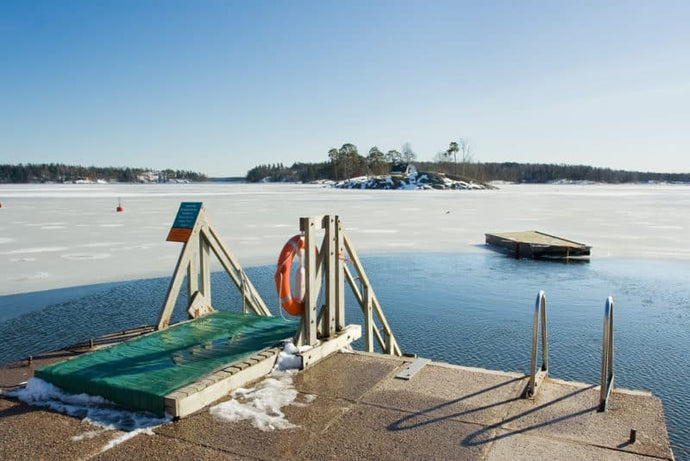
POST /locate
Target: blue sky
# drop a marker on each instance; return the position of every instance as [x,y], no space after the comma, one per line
[221,86]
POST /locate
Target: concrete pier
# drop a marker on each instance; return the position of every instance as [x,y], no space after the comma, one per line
[362,411]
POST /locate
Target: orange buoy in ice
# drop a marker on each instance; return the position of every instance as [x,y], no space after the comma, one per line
[119,208]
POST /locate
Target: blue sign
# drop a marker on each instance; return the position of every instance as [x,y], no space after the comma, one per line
[184,221]
[187,214]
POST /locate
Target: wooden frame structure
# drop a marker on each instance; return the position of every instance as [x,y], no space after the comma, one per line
[324,266]
[327,264]
[194,262]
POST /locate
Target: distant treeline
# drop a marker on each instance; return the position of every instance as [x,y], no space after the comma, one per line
[478,172]
[60,173]
[542,173]
[456,162]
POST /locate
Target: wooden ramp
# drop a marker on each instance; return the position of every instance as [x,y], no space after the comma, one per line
[535,244]
[143,372]
[180,370]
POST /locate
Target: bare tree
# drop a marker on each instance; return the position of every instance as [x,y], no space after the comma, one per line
[408,154]
[466,153]
[441,157]
[466,150]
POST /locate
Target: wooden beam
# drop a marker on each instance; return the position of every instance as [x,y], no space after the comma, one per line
[309,316]
[344,338]
[199,306]
[375,302]
[331,257]
[360,300]
[192,279]
[368,320]
[339,276]
[196,396]
[205,267]
[188,252]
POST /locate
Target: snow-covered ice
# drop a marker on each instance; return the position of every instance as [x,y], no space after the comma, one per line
[54,236]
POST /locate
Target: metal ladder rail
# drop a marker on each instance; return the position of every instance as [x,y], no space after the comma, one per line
[607,375]
[536,378]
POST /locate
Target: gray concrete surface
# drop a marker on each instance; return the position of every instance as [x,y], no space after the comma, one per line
[361,411]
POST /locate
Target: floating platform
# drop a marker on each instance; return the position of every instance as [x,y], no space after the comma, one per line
[535,244]
[150,372]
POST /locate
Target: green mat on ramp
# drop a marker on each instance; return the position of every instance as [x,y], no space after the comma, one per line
[138,373]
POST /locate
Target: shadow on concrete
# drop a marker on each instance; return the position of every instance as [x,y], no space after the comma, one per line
[475,438]
[407,422]
[484,435]
[20,408]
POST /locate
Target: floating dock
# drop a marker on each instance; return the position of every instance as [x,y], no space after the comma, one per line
[535,244]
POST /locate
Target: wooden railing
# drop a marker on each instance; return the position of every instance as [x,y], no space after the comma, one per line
[329,263]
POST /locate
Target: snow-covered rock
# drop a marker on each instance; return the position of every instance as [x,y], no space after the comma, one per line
[413,181]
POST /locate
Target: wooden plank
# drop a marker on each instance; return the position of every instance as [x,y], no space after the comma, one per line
[339,276]
[179,407]
[368,320]
[539,238]
[309,316]
[344,338]
[331,258]
[205,268]
[192,279]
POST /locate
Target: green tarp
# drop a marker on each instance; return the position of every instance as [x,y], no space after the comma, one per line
[137,374]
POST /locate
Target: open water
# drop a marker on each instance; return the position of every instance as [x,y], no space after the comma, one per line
[467,309]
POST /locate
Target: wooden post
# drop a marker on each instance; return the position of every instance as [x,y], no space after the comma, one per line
[368,320]
[204,262]
[188,251]
[339,276]
[192,279]
[245,295]
[331,258]
[309,317]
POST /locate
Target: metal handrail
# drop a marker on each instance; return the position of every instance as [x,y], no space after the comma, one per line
[607,375]
[536,378]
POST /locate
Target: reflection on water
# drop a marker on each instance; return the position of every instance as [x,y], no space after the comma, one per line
[468,309]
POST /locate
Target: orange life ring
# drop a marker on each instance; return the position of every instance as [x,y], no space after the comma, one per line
[292,306]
